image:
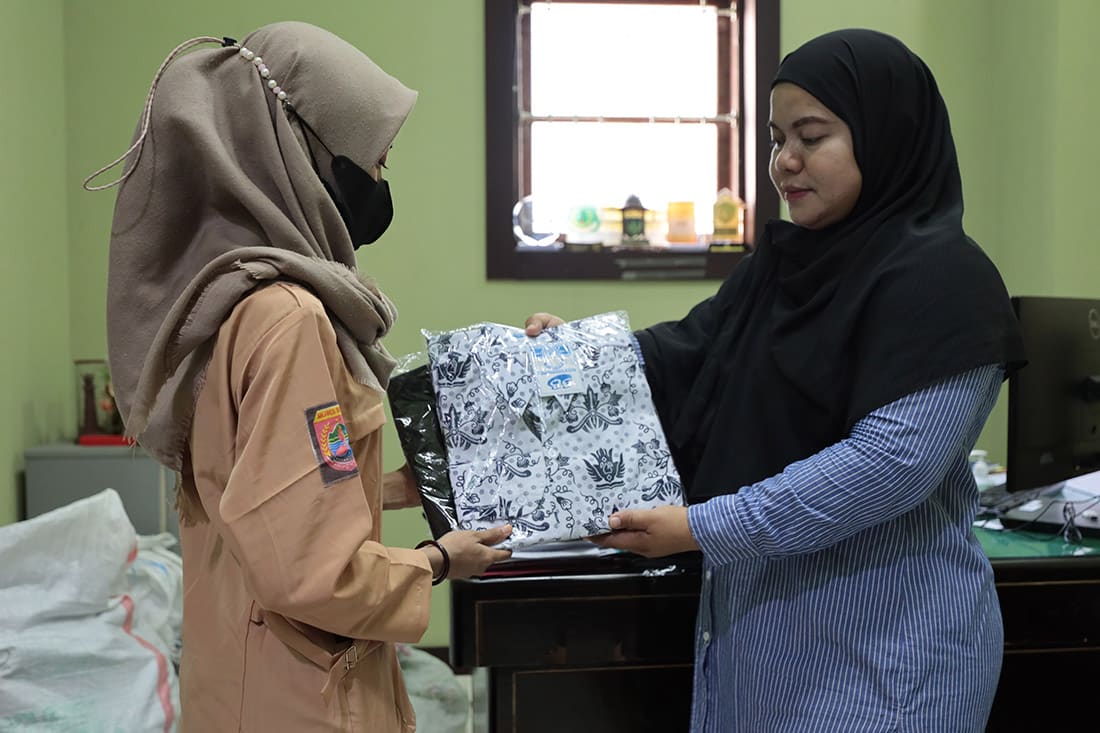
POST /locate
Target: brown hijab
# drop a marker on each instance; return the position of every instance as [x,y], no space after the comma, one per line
[220,196]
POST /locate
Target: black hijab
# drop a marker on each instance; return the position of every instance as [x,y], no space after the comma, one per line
[817,329]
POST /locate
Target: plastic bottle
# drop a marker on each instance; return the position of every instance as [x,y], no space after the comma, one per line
[980,468]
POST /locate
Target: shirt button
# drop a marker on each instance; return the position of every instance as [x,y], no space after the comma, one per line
[709,574]
[706,637]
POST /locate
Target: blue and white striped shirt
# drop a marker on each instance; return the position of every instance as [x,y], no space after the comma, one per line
[848,593]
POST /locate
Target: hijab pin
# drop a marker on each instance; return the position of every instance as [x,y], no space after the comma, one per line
[265,73]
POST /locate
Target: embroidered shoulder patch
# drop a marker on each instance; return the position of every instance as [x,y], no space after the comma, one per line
[331,443]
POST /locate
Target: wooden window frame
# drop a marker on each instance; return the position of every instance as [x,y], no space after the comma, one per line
[758,44]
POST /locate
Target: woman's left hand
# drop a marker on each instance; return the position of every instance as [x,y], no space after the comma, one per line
[399,489]
[649,532]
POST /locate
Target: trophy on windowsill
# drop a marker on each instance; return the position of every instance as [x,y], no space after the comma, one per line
[100,422]
[633,218]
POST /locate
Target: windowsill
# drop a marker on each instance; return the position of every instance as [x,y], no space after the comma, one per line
[664,262]
[508,164]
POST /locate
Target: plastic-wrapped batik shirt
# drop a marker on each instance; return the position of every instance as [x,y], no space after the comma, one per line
[550,434]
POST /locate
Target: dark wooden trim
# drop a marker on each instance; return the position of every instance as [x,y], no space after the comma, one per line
[622,264]
[757,45]
[501,161]
[759,42]
[726,133]
[523,154]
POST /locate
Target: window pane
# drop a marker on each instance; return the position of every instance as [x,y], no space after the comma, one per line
[623,60]
[601,164]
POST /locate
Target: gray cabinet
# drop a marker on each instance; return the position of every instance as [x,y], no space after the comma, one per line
[61,473]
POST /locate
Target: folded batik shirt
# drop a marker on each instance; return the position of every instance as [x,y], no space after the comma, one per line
[550,434]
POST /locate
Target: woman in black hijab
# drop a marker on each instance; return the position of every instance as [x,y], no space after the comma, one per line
[821,408]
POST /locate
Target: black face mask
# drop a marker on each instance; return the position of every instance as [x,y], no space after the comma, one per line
[364,204]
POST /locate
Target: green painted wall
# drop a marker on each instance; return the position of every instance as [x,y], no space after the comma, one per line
[37,384]
[1018,79]
[431,261]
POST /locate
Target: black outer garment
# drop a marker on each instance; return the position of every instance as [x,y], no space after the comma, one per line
[816,329]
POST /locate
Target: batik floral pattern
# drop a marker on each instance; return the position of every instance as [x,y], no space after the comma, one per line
[554,466]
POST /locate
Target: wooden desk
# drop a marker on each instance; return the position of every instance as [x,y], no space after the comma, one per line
[1050,602]
[613,652]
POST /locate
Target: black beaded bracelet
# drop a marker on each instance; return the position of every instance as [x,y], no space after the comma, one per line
[446,560]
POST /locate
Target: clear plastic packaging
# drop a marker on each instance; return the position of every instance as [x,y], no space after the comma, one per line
[412,402]
[550,434]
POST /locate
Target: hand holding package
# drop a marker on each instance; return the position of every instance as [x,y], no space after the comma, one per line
[551,434]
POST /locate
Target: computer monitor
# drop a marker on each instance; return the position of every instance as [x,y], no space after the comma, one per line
[1054,401]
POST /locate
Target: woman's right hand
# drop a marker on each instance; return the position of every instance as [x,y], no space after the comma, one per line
[471,550]
[535,323]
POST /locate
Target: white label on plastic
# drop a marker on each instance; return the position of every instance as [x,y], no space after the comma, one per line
[556,369]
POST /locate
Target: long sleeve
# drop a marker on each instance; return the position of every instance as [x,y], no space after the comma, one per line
[300,477]
[894,458]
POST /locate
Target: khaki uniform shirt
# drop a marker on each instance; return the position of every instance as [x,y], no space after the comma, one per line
[291,604]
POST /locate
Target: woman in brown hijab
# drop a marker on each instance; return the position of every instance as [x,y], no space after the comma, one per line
[245,350]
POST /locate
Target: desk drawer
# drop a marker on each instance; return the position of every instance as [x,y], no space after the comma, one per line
[623,629]
[1050,615]
[636,699]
